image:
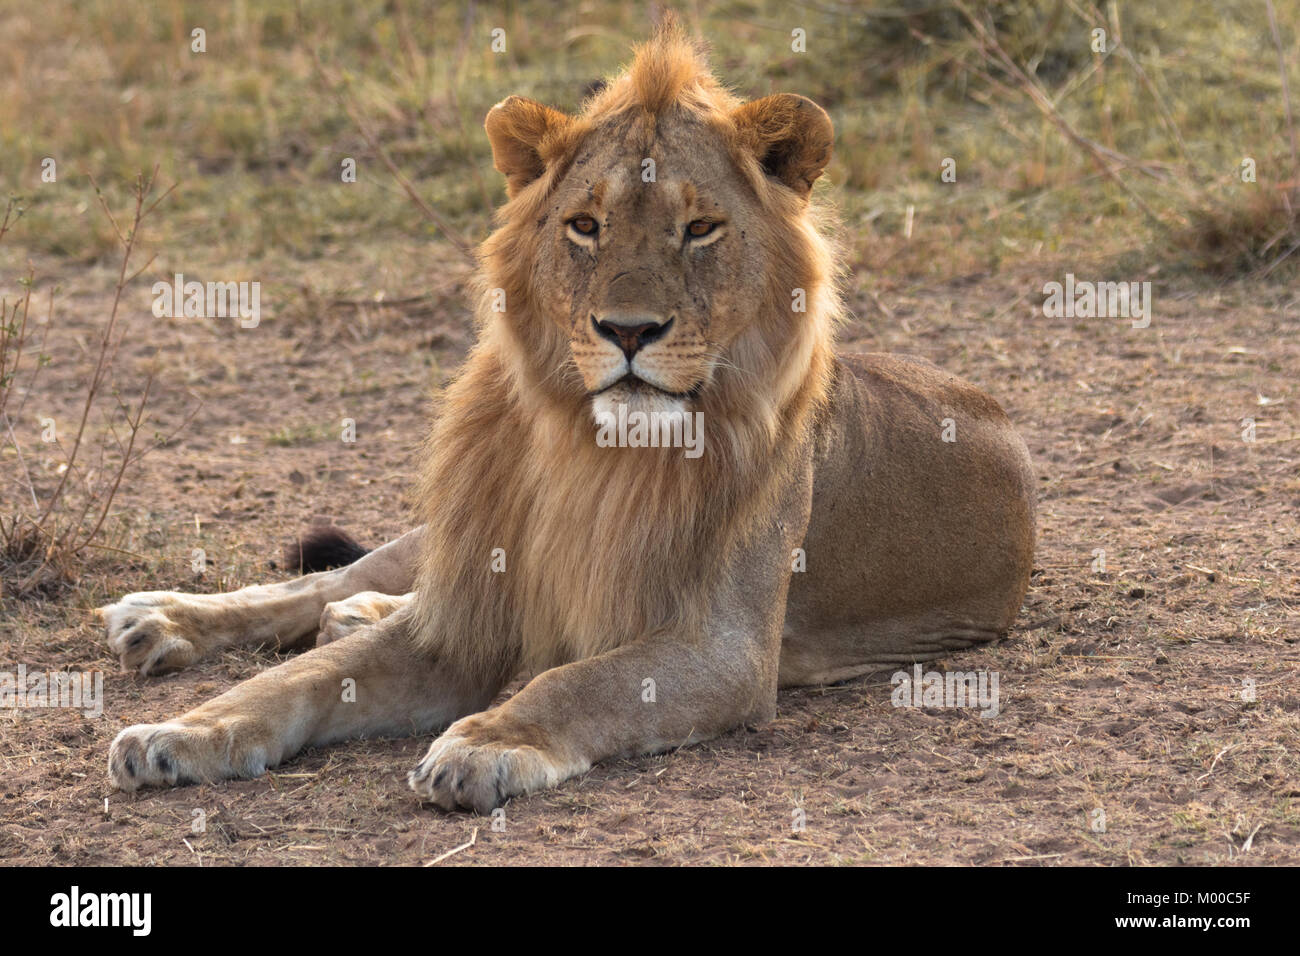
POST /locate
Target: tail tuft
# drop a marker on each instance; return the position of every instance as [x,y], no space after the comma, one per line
[321,547]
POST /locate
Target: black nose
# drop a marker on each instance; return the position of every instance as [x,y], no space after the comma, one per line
[630,333]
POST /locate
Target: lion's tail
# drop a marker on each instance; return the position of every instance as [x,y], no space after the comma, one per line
[321,547]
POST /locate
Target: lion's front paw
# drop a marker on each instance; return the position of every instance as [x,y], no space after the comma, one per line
[176,753]
[146,635]
[478,767]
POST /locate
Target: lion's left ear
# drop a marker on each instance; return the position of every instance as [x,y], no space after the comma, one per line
[791,136]
[519,129]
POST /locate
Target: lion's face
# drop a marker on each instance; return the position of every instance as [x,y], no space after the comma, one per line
[652,262]
[660,242]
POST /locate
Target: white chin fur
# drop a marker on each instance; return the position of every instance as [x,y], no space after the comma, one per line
[641,399]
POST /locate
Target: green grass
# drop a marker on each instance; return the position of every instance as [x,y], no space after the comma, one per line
[254,133]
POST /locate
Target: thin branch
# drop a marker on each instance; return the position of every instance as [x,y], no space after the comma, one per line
[36,505]
[1286,88]
[96,378]
[72,536]
[126,461]
[1093,16]
[993,52]
[453,235]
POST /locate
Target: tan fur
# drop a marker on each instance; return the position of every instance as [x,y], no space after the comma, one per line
[631,568]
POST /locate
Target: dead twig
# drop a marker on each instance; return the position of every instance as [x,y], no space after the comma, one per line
[63,538]
[1214,763]
[473,838]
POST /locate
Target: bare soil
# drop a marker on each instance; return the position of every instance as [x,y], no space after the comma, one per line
[1121,691]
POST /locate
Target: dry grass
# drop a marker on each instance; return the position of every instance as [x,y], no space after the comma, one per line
[69,504]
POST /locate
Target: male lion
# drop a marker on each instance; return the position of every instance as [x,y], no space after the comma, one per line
[658,253]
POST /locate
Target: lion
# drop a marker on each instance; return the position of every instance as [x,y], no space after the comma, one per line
[660,257]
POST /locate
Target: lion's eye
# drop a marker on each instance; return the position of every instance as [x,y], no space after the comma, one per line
[700,227]
[584,225]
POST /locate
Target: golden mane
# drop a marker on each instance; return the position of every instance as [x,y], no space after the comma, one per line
[603,546]
[668,71]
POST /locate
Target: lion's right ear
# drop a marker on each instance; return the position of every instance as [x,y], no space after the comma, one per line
[520,131]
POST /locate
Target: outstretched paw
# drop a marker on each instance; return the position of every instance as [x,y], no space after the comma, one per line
[478,765]
[174,753]
[148,632]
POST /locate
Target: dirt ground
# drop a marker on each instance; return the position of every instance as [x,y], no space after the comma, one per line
[1122,691]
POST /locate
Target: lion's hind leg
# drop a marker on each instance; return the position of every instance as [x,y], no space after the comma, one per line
[341,618]
[157,631]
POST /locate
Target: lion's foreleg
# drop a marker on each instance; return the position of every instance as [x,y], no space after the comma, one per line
[664,690]
[372,682]
[641,698]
